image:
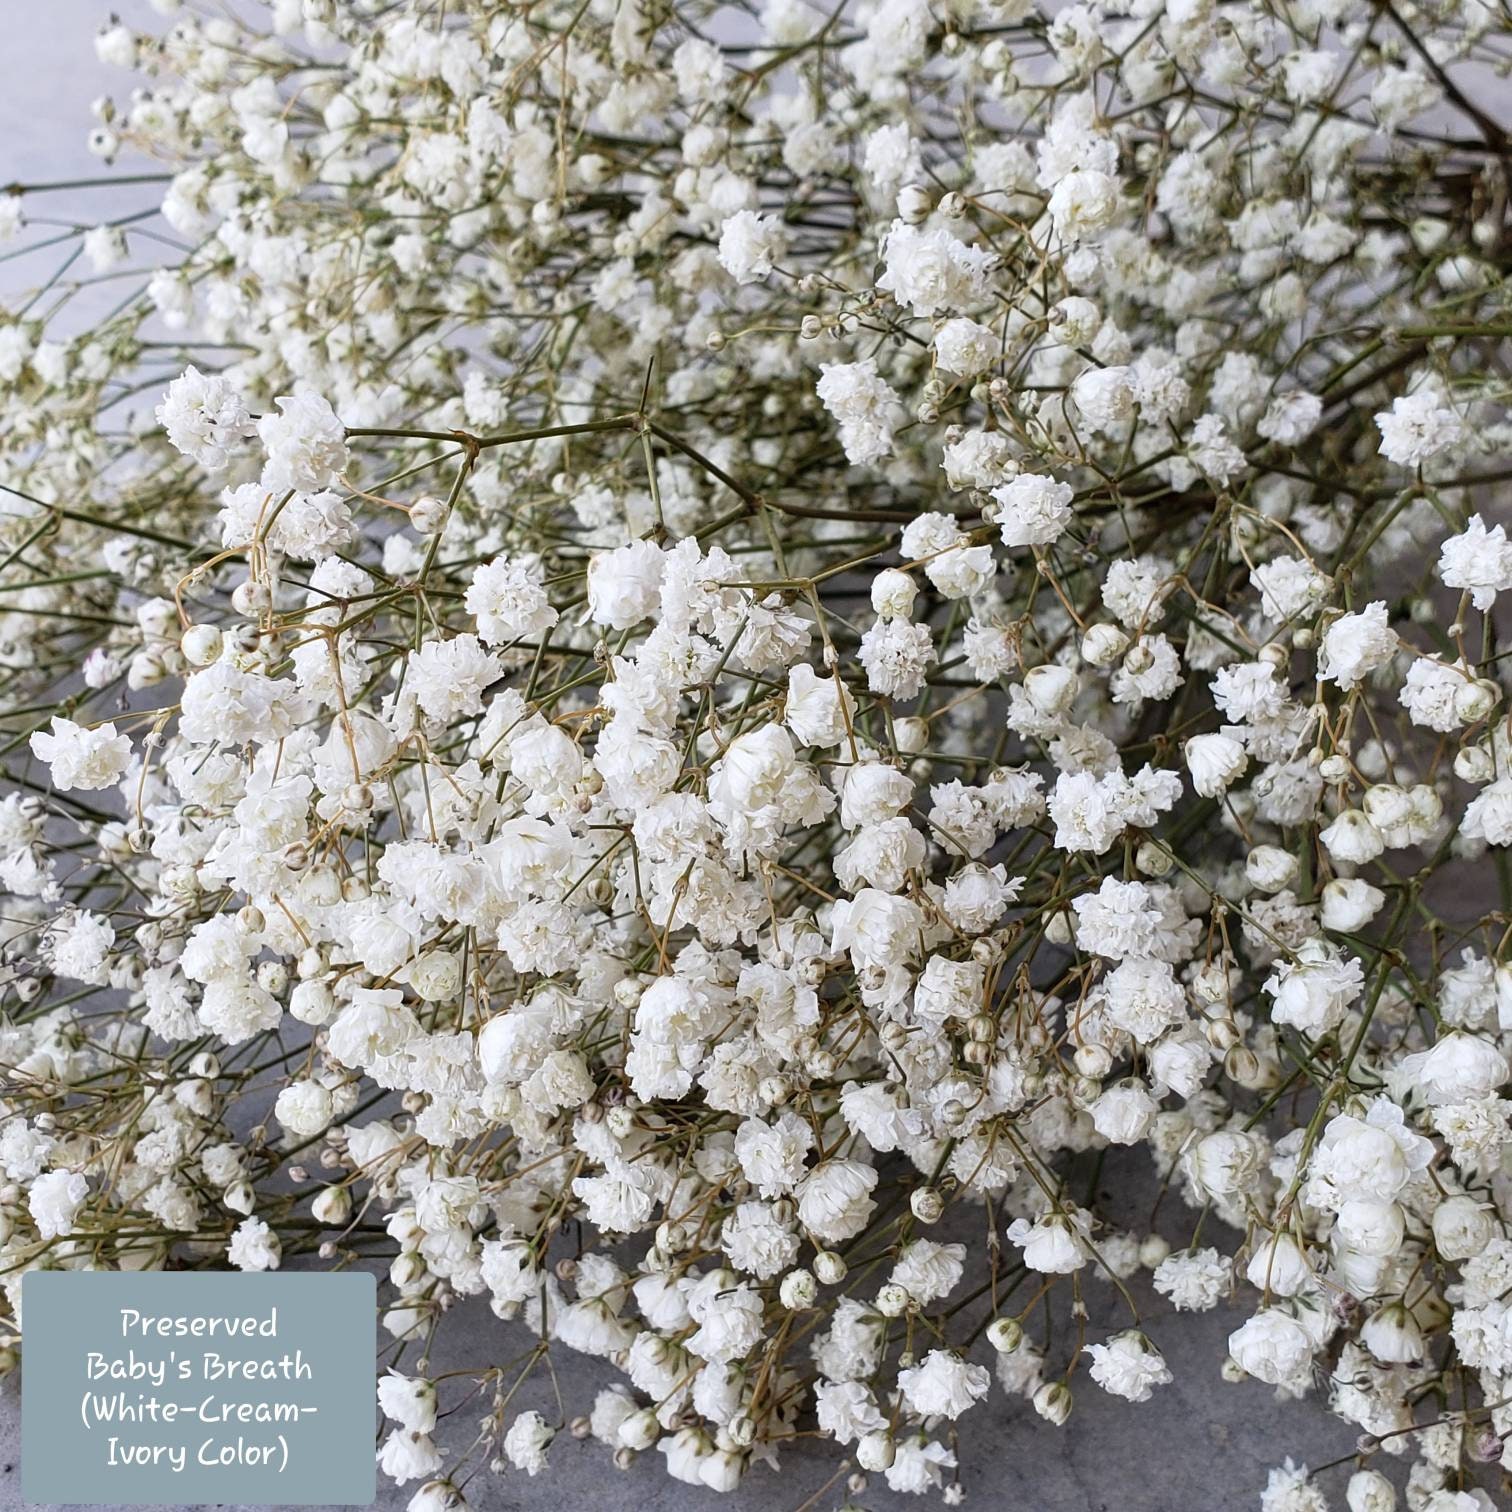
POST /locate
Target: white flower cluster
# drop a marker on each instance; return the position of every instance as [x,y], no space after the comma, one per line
[736,645]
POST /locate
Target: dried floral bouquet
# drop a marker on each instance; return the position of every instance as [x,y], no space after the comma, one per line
[662,660]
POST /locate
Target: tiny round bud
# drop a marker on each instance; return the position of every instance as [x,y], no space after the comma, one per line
[829,1267]
[1005,1334]
[1474,764]
[201,644]
[1103,644]
[640,1430]
[1222,1034]
[427,515]
[1053,1402]
[774,1090]
[1475,700]
[914,204]
[251,598]
[332,1205]
[821,1065]
[927,1204]
[406,1270]
[1242,1065]
[982,1027]
[1093,1061]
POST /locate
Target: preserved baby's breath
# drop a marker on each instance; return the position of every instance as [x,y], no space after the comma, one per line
[672,665]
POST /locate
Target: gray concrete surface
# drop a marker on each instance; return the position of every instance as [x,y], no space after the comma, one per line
[1200,1446]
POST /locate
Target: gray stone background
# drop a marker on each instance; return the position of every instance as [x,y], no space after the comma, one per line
[1200,1445]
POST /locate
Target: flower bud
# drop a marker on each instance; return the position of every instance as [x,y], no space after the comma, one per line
[914,204]
[1353,839]
[829,1267]
[911,735]
[1093,1061]
[427,515]
[250,599]
[332,1205]
[312,1002]
[1103,644]
[1279,1265]
[1474,764]
[1269,868]
[1349,905]
[927,1204]
[1462,1228]
[1074,321]
[1005,1334]
[640,1430]
[1051,689]
[1334,768]
[1242,1065]
[201,644]
[1475,701]
[1393,1336]
[407,1269]
[1053,1402]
